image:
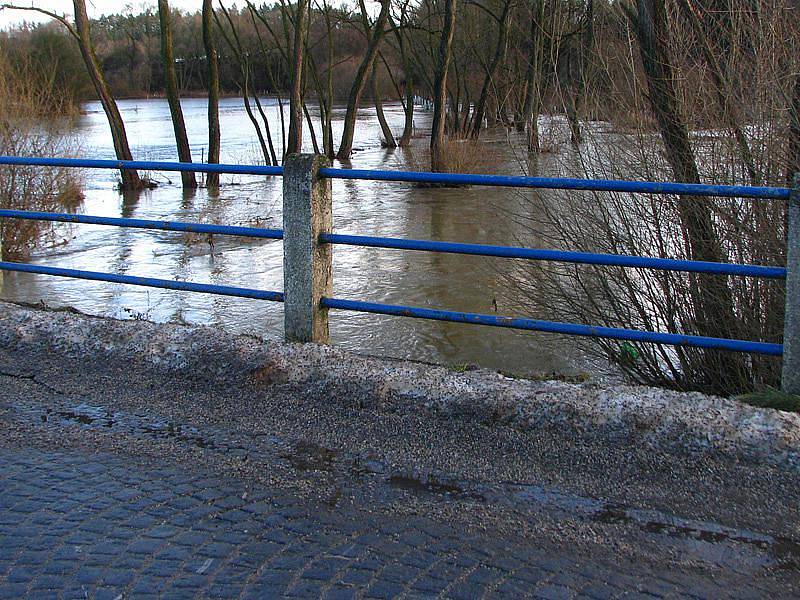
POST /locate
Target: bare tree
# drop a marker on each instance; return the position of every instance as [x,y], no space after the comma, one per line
[491,71]
[408,84]
[386,131]
[534,84]
[212,60]
[440,86]
[173,97]
[295,143]
[360,80]
[242,56]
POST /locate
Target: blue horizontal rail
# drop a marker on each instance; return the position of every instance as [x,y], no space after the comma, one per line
[558,183]
[589,258]
[141,165]
[253,232]
[186,286]
[672,339]
[563,183]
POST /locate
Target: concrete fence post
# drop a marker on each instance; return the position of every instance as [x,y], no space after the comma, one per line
[307,264]
[790,375]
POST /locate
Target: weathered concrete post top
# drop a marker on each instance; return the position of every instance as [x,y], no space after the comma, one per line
[790,382]
[307,265]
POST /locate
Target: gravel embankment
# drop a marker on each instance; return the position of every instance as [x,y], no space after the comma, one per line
[659,418]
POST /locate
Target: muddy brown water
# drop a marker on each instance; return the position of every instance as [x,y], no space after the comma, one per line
[475,284]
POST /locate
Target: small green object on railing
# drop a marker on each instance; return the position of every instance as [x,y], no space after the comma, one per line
[628,352]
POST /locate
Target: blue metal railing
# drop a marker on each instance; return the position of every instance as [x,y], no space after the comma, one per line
[586,258]
[252,232]
[591,258]
[762,271]
[672,339]
[552,183]
[169,284]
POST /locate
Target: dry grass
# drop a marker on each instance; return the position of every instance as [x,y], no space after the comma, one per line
[465,156]
[460,156]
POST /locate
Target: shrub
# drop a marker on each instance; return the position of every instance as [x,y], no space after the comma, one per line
[26,129]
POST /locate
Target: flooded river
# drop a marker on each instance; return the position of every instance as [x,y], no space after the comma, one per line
[478,215]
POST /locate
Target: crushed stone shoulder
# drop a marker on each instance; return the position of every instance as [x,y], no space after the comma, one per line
[660,418]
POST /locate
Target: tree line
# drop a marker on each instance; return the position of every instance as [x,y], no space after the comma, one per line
[481,63]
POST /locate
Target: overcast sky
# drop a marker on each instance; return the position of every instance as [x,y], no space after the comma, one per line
[95,8]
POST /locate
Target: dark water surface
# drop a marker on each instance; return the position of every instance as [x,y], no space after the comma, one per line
[479,215]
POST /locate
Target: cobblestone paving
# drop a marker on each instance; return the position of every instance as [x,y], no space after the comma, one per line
[78,525]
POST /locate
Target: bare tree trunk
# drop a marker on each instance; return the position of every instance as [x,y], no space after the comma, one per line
[533,77]
[311,130]
[360,81]
[173,98]
[573,97]
[499,56]
[730,113]
[388,136]
[328,133]
[711,295]
[440,86]
[324,92]
[295,143]
[212,58]
[581,76]
[408,86]
[130,178]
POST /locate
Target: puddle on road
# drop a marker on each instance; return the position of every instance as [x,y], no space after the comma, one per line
[707,541]
[85,415]
[308,456]
[431,486]
[711,541]
[132,424]
[169,430]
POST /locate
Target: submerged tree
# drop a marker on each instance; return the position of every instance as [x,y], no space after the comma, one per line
[212,60]
[360,79]
[295,143]
[440,87]
[491,70]
[173,96]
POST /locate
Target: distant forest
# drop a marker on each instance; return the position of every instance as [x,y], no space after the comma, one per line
[580,58]
[128,46]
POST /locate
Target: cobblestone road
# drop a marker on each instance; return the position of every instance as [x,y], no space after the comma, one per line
[78,525]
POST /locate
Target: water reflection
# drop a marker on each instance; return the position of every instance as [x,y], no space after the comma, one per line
[476,284]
